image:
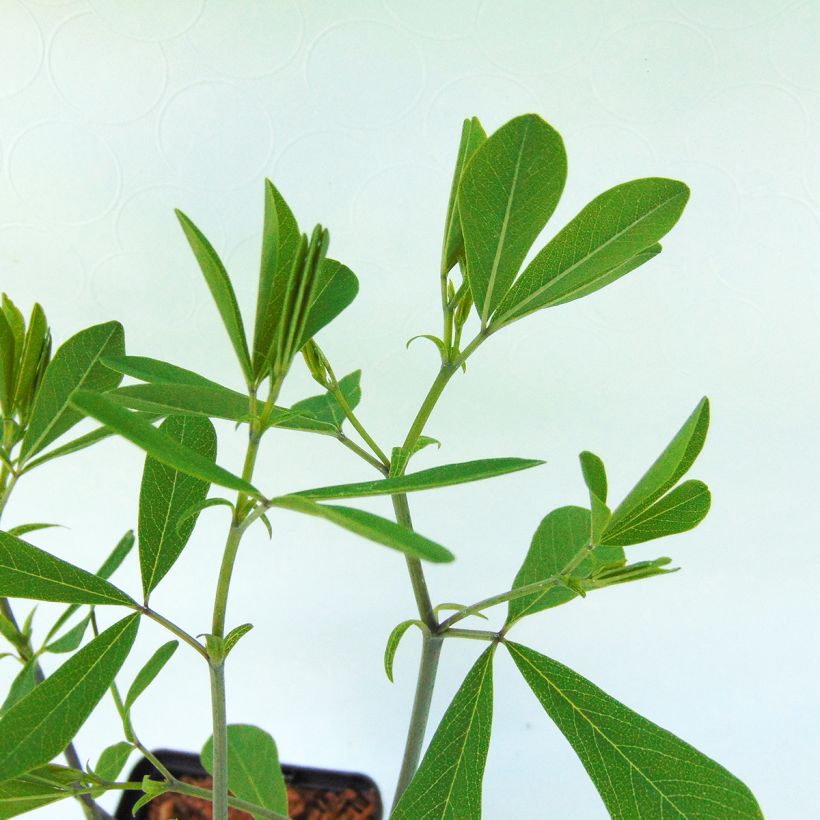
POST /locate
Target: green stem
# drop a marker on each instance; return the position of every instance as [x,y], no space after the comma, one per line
[354,421]
[472,634]
[220,742]
[362,453]
[176,630]
[428,666]
[178,787]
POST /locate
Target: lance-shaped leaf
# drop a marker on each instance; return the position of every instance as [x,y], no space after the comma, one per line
[680,510]
[35,339]
[370,526]
[38,727]
[153,666]
[112,761]
[253,767]
[7,360]
[75,366]
[560,536]
[29,572]
[639,769]
[472,137]
[326,408]
[155,371]
[221,289]
[444,476]
[36,789]
[24,682]
[598,246]
[668,468]
[71,639]
[394,639]
[447,785]
[509,190]
[187,399]
[336,287]
[167,495]
[280,245]
[157,443]
[595,478]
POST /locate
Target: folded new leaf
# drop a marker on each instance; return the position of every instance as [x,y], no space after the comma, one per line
[326,408]
[639,769]
[444,476]
[448,782]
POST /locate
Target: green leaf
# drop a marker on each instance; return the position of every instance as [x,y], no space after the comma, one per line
[195,509]
[326,408]
[221,289]
[393,641]
[370,526]
[35,339]
[678,511]
[40,726]
[639,769]
[155,371]
[36,789]
[29,572]
[7,359]
[152,668]
[17,325]
[23,683]
[234,636]
[157,443]
[71,640]
[509,190]
[669,467]
[112,761]
[444,476]
[24,529]
[186,399]
[598,246]
[254,774]
[595,478]
[472,137]
[75,366]
[560,536]
[280,245]
[447,785]
[166,495]
[336,287]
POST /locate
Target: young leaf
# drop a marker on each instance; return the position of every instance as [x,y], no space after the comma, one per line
[444,476]
[669,467]
[253,767]
[155,371]
[560,536]
[145,677]
[38,727]
[447,785]
[7,357]
[595,478]
[234,636]
[71,640]
[35,338]
[607,234]
[326,408]
[472,137]
[370,526]
[336,287]
[166,495]
[639,769]
[221,289]
[112,761]
[280,244]
[678,511]
[157,443]
[509,190]
[75,366]
[187,399]
[24,529]
[23,683]
[393,641]
[29,572]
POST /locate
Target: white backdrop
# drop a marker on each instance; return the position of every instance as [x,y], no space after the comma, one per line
[112,113]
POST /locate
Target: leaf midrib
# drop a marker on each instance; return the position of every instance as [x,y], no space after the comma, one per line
[538,291]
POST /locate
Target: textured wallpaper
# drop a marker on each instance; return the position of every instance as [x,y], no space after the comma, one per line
[112,113]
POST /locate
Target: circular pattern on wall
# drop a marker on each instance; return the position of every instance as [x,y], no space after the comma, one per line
[149,19]
[793,46]
[431,18]
[383,74]
[215,136]
[250,39]
[21,47]
[64,173]
[131,82]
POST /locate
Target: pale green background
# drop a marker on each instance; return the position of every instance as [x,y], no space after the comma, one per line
[112,112]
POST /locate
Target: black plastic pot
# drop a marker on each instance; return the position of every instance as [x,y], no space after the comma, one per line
[305,780]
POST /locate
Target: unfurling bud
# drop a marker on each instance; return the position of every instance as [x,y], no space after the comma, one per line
[317,364]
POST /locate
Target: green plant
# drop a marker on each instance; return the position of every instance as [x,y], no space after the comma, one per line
[504,190]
